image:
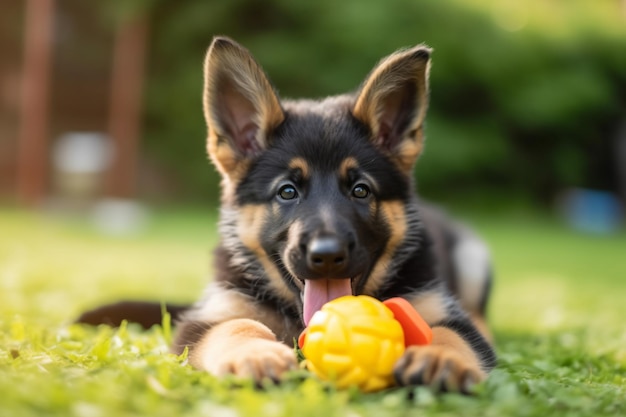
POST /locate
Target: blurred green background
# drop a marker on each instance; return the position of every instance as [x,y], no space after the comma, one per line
[527,96]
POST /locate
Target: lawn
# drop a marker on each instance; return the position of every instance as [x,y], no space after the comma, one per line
[558,316]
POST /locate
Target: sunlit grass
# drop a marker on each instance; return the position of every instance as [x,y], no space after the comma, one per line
[557,312]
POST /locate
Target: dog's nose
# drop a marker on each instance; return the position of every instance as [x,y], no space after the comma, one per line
[327,255]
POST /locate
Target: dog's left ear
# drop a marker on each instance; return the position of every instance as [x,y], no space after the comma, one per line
[392,102]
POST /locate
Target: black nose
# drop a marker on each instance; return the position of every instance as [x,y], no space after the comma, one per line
[327,255]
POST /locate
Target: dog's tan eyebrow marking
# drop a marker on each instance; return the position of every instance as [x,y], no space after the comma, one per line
[298,171]
[299,164]
[351,164]
[347,165]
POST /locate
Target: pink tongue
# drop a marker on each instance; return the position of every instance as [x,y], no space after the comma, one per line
[318,292]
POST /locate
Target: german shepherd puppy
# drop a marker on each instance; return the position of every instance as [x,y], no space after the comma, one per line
[318,202]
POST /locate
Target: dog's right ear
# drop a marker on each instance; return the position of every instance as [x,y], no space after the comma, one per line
[240,107]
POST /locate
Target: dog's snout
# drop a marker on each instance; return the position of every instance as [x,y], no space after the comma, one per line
[327,255]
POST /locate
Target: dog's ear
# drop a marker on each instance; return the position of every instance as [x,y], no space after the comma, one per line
[240,106]
[392,102]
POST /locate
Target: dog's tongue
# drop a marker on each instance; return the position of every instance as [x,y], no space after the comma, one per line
[318,292]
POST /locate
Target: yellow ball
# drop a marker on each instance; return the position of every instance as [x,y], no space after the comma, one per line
[354,341]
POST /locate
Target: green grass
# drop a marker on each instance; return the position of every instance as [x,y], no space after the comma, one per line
[558,316]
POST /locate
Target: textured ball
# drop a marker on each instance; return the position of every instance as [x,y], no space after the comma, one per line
[354,341]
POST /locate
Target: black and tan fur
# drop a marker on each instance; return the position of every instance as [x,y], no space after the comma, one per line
[299,175]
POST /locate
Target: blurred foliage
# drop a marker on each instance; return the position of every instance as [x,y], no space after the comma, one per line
[526,95]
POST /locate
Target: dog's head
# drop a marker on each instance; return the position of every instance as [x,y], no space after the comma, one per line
[315,192]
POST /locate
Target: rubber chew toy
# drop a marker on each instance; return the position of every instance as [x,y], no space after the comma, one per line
[356,340]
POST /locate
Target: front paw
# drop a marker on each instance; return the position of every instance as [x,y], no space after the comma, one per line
[442,368]
[258,359]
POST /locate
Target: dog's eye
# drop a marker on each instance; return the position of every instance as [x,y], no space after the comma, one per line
[361,191]
[287,192]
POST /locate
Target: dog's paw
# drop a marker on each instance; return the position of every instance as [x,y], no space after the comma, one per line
[259,359]
[442,368]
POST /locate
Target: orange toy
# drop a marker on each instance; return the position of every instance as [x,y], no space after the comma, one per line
[356,340]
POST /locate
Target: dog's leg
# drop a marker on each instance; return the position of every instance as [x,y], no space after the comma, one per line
[242,347]
[464,263]
[231,333]
[472,263]
[459,355]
